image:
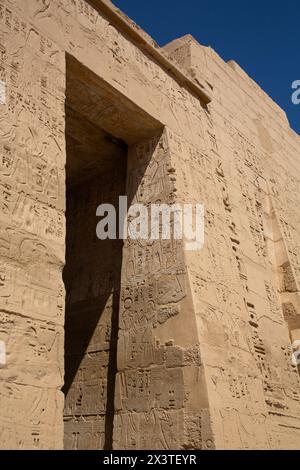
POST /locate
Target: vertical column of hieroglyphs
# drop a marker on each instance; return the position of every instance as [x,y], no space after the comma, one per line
[31,233]
[160,391]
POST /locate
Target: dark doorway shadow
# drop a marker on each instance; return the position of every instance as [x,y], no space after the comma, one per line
[100,126]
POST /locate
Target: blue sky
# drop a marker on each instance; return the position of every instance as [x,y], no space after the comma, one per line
[262,36]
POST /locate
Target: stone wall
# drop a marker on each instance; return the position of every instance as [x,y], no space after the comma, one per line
[203,351]
[247,315]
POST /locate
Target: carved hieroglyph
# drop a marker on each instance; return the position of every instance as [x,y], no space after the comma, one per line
[164,349]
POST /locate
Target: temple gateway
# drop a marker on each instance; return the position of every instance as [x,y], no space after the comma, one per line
[142,344]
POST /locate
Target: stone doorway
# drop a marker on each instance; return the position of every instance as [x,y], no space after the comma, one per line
[101,125]
[95,174]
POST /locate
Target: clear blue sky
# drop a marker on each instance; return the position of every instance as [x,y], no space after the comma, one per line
[263,36]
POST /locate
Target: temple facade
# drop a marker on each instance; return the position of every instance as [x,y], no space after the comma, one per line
[142,344]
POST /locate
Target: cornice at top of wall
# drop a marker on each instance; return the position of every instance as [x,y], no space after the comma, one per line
[142,40]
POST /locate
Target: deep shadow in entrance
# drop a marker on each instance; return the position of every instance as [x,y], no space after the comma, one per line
[100,125]
[95,174]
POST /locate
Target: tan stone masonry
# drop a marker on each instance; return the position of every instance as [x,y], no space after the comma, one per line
[142,345]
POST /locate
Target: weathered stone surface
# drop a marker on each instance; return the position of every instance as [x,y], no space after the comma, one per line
[164,349]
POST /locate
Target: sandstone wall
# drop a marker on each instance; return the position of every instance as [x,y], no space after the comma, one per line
[203,358]
[34,39]
[246,280]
